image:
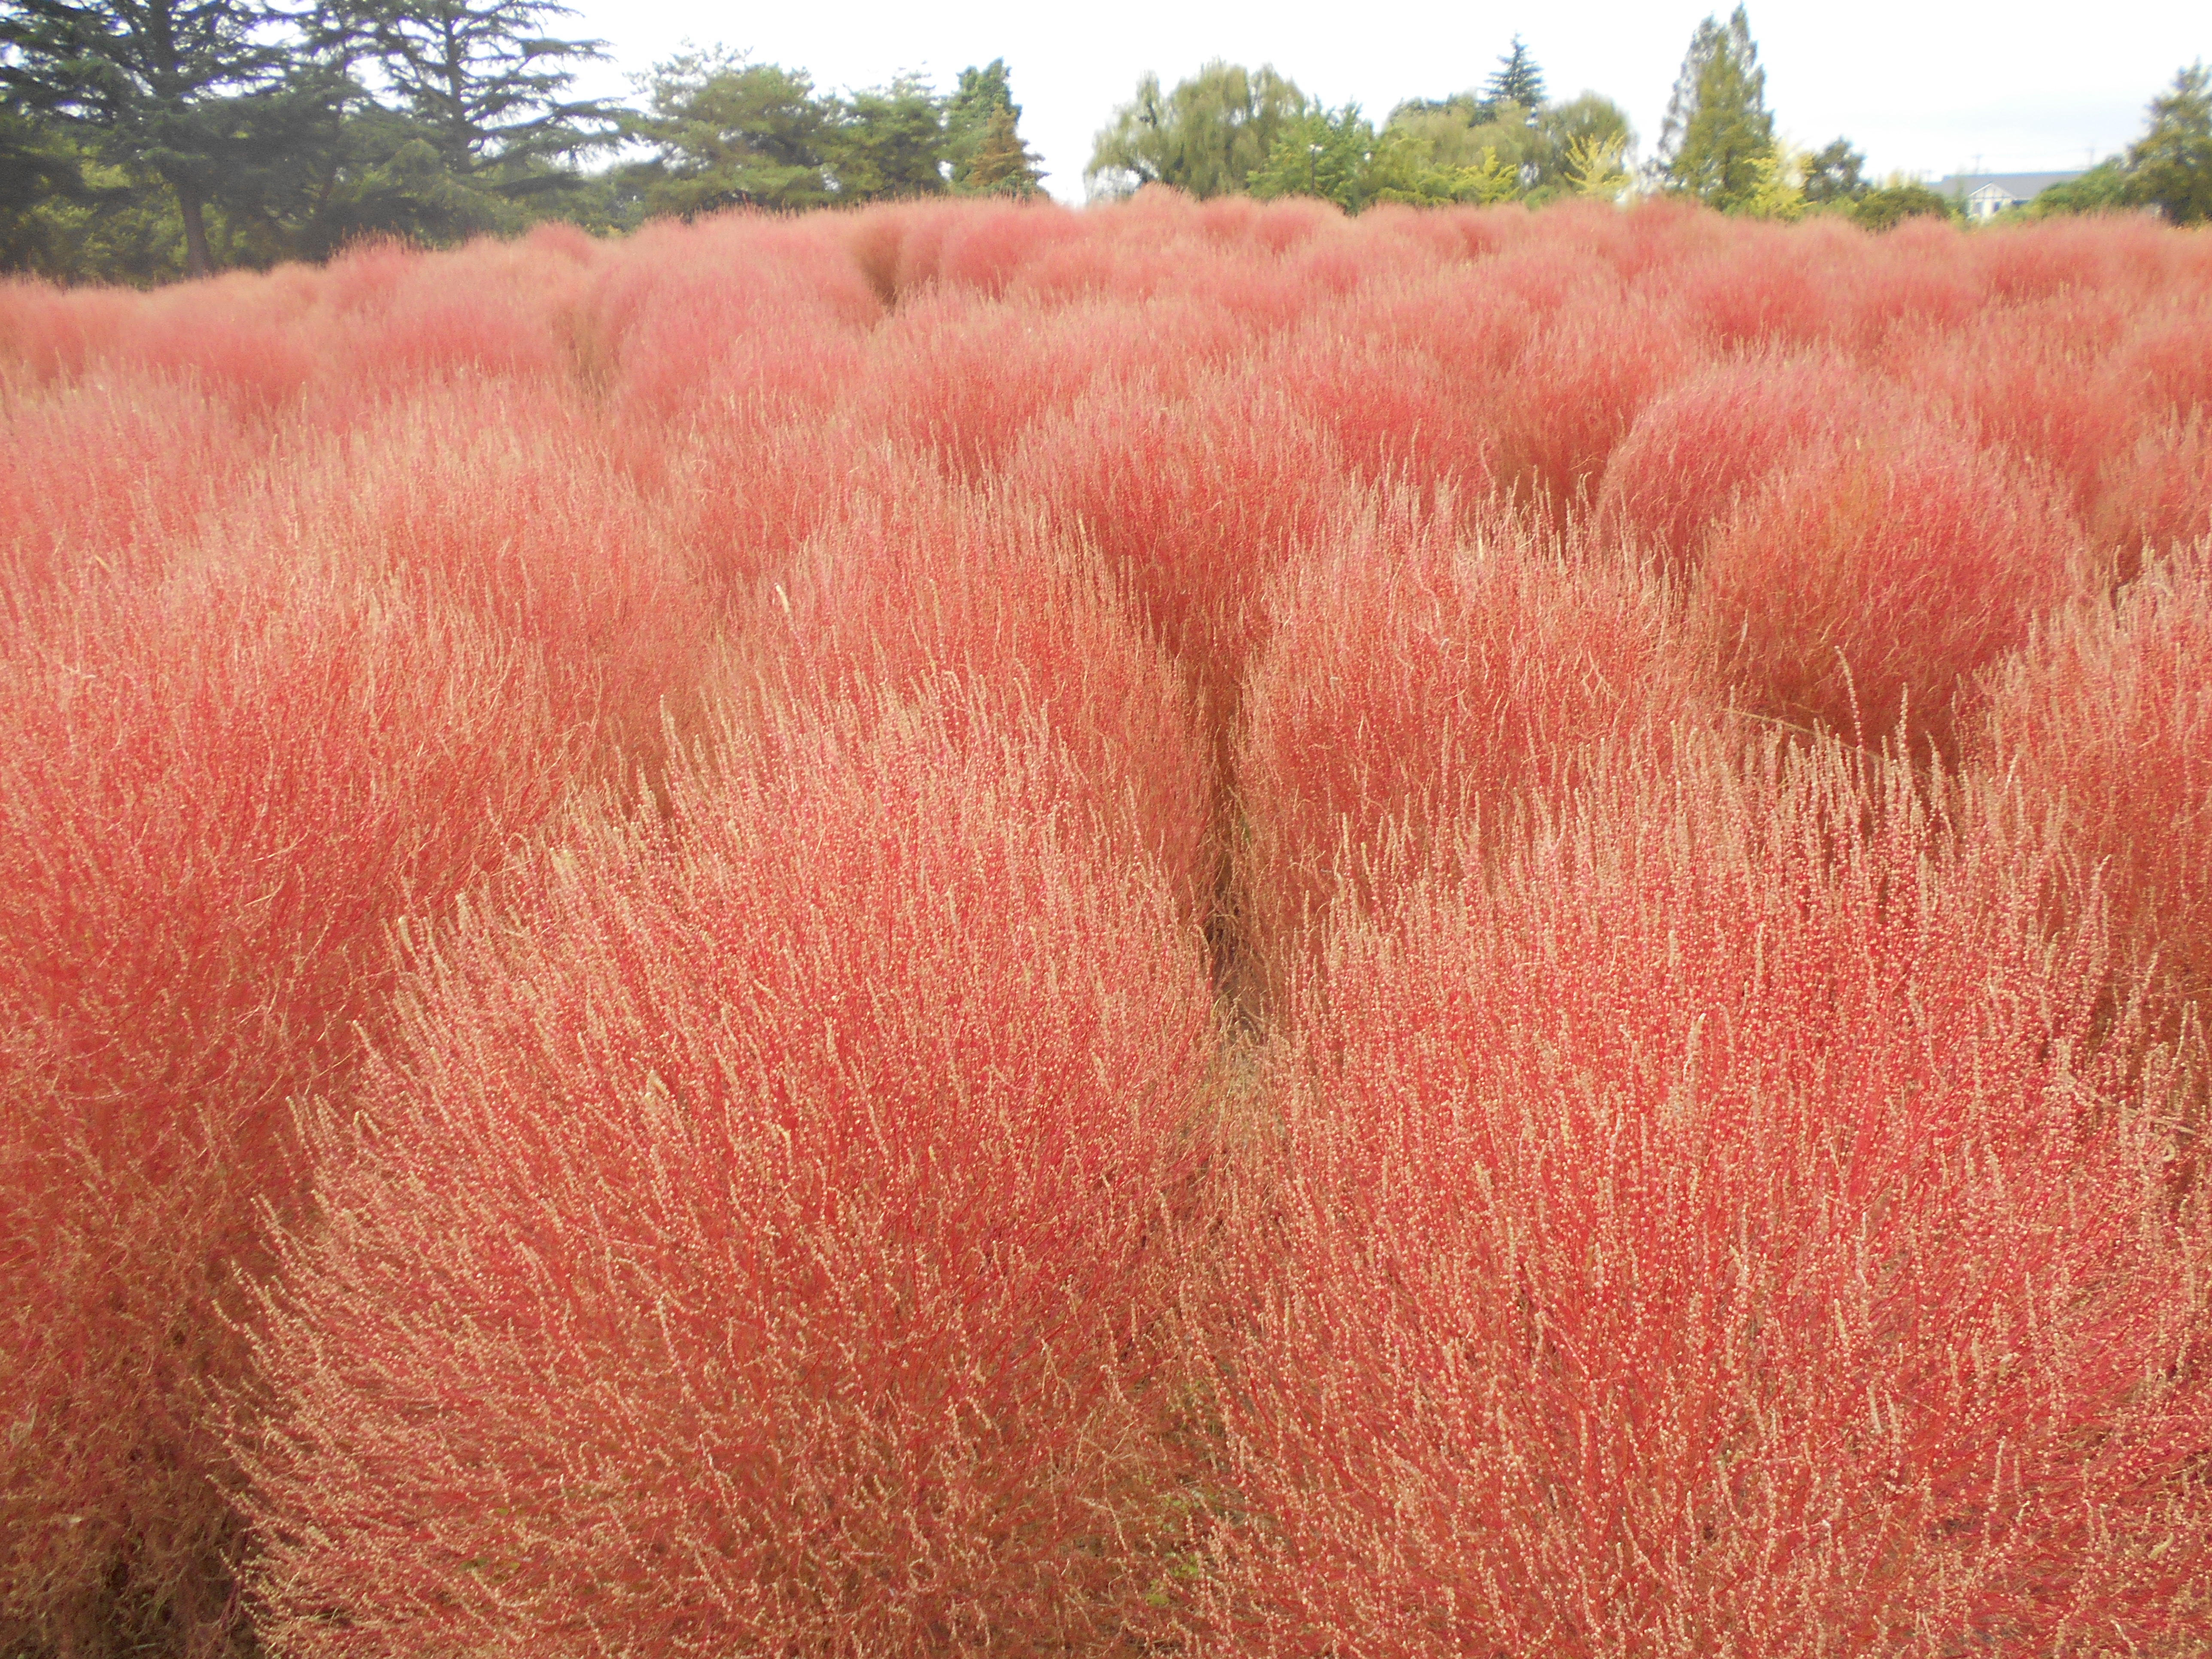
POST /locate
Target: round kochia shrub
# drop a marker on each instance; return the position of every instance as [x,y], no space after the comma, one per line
[2106,719]
[1698,447]
[217,796]
[1866,581]
[928,584]
[1414,687]
[1731,1228]
[756,1238]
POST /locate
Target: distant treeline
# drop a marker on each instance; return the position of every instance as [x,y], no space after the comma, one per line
[1229,129]
[146,139]
[141,140]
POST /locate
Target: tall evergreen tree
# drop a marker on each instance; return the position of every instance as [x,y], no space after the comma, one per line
[887,142]
[982,116]
[1516,80]
[226,101]
[1003,164]
[1717,142]
[488,85]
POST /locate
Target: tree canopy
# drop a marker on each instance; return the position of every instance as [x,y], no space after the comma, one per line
[1717,143]
[143,139]
[207,97]
[2168,169]
[1516,81]
[983,142]
[2170,166]
[1208,136]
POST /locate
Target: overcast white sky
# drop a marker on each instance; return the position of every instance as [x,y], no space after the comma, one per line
[1926,87]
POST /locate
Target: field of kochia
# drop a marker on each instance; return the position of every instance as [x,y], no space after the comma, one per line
[1190,929]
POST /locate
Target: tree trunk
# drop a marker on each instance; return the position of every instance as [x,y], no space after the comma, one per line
[196,263]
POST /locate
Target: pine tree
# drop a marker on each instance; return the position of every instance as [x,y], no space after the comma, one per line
[731,132]
[887,142]
[1003,164]
[1516,81]
[983,133]
[1717,142]
[488,84]
[226,101]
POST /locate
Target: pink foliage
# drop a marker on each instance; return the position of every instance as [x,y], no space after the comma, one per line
[1724,1230]
[770,1224]
[216,795]
[1866,582]
[770,1197]
[1413,688]
[929,590]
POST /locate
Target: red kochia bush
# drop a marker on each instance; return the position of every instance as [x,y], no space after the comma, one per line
[756,1238]
[1194,502]
[1414,687]
[143,460]
[1576,390]
[2028,379]
[2156,492]
[1395,416]
[1724,1230]
[1695,449]
[1876,573]
[966,381]
[504,502]
[216,796]
[2106,718]
[928,586]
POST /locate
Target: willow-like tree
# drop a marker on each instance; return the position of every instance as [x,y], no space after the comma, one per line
[1208,136]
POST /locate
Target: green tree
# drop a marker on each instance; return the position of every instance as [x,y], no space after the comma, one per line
[1887,206]
[1594,167]
[228,102]
[1002,165]
[1835,176]
[1464,146]
[1516,80]
[1717,143]
[1778,189]
[2170,166]
[1208,136]
[2103,189]
[1321,153]
[886,141]
[978,97]
[487,87]
[45,200]
[730,131]
[40,169]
